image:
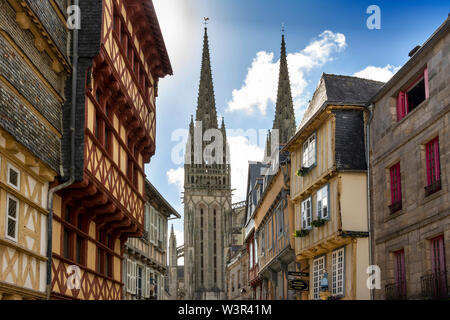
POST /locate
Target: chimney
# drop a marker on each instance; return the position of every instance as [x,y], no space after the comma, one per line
[413,51]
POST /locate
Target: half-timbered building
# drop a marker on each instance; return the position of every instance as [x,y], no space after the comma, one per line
[145,260]
[33,68]
[120,63]
[329,188]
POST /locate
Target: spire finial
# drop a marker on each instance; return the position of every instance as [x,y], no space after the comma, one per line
[283,28]
[206,19]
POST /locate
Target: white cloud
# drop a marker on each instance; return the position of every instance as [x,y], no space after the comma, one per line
[377,73]
[241,152]
[176,176]
[260,84]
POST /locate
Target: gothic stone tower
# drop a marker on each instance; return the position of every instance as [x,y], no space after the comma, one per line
[284,111]
[207,195]
[173,266]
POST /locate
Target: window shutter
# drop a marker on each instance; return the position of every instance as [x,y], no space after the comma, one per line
[128,275]
[427,88]
[436,158]
[147,282]
[133,278]
[401,102]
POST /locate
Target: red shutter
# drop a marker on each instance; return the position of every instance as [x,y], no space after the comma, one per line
[427,88]
[401,100]
[396,187]
[433,162]
[436,159]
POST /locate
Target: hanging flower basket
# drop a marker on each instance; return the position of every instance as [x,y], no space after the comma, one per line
[301,233]
[318,223]
[302,171]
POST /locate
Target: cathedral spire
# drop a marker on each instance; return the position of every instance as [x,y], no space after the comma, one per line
[284,111]
[206,105]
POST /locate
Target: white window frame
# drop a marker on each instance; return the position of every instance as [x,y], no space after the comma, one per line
[318,271]
[8,217]
[338,272]
[9,168]
[309,151]
[306,214]
[323,194]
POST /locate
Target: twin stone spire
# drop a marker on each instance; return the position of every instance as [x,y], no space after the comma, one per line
[284,112]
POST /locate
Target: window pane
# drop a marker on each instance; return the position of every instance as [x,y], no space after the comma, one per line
[12,208]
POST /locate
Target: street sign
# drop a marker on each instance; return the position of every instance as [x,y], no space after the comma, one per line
[298,274]
[300,285]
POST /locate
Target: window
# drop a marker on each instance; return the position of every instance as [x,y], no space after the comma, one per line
[414,95]
[318,270]
[433,165]
[148,282]
[131,276]
[400,273]
[251,254]
[263,240]
[309,152]
[323,202]
[256,251]
[12,216]
[139,281]
[306,214]
[337,272]
[439,270]
[13,176]
[280,214]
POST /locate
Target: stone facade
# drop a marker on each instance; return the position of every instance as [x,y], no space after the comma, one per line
[404,237]
[207,197]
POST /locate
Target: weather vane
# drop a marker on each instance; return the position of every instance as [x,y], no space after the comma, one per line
[206,21]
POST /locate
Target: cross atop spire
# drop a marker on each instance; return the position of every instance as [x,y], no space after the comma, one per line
[284,112]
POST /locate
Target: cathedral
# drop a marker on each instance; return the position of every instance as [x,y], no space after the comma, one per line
[207,195]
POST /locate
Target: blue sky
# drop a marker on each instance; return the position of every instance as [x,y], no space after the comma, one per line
[245,36]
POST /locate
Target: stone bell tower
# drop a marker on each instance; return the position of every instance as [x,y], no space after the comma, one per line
[207,195]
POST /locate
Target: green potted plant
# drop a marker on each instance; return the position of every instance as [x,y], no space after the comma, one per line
[318,223]
[302,171]
[301,233]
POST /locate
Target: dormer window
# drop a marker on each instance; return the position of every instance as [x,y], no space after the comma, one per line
[413,96]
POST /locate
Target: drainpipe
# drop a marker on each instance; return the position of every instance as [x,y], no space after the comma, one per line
[71,180]
[369,224]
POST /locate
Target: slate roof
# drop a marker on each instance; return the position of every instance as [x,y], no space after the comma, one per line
[254,172]
[341,90]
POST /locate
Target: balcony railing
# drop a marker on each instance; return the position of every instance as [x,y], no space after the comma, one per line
[435,286]
[432,188]
[396,291]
